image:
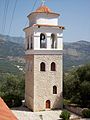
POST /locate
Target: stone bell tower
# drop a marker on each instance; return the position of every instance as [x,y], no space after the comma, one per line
[44,60]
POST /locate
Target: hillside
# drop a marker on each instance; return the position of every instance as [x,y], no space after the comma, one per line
[8,48]
[19,40]
[76,54]
[11,57]
[11,54]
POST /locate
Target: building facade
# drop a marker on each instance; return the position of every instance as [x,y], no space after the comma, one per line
[44,60]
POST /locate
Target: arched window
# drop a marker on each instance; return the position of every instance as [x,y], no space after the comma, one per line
[53,41]
[43,41]
[54,90]
[27,43]
[48,104]
[42,66]
[53,66]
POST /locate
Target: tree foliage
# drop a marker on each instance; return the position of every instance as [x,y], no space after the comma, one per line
[77,86]
[12,89]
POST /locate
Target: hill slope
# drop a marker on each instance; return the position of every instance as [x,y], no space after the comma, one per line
[11,57]
[19,40]
[76,53]
[8,48]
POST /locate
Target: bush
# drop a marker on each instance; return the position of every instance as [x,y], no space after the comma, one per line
[65,115]
[12,100]
[66,102]
[86,113]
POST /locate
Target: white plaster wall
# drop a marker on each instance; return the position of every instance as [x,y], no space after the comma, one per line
[48,21]
[44,18]
[60,43]
[48,32]
[36,42]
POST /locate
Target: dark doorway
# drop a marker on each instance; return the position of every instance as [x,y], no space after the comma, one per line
[48,104]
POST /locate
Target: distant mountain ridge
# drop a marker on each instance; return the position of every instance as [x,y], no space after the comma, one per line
[75,53]
[19,40]
[8,48]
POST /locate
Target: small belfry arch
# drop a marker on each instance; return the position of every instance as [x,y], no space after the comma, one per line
[43,40]
[53,40]
[27,43]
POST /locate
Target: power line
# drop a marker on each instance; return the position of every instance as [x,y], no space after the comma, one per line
[0,3]
[5,15]
[31,11]
[0,11]
[12,16]
[34,5]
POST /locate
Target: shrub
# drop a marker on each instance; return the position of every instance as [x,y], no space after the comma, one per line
[65,115]
[66,102]
[12,100]
[86,113]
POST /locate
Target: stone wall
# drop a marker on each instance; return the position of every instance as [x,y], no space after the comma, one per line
[45,80]
[74,109]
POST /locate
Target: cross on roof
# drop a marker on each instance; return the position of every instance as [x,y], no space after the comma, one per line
[43,2]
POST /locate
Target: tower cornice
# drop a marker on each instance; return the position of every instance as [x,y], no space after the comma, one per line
[42,25]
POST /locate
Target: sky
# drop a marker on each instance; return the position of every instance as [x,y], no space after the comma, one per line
[74,16]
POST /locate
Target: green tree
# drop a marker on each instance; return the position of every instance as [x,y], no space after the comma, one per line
[12,89]
[77,86]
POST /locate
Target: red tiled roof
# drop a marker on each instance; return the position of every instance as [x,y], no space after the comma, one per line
[43,8]
[5,112]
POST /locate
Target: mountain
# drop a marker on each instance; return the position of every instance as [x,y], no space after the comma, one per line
[12,52]
[8,48]
[76,54]
[19,40]
[11,57]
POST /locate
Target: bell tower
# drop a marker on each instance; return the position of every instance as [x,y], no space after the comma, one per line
[44,60]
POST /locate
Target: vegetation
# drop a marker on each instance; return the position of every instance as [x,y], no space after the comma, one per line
[7,66]
[86,113]
[77,86]
[12,89]
[65,115]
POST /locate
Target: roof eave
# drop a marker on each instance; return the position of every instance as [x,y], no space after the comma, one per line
[39,25]
[44,12]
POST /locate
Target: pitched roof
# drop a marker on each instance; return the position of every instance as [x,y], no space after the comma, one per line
[5,112]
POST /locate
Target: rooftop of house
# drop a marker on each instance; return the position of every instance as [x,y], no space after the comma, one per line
[5,112]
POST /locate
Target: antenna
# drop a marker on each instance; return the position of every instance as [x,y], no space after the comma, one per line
[43,2]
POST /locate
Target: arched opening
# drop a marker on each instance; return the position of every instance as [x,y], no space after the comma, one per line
[53,66]
[27,43]
[53,41]
[54,89]
[31,41]
[48,104]
[42,66]
[43,41]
